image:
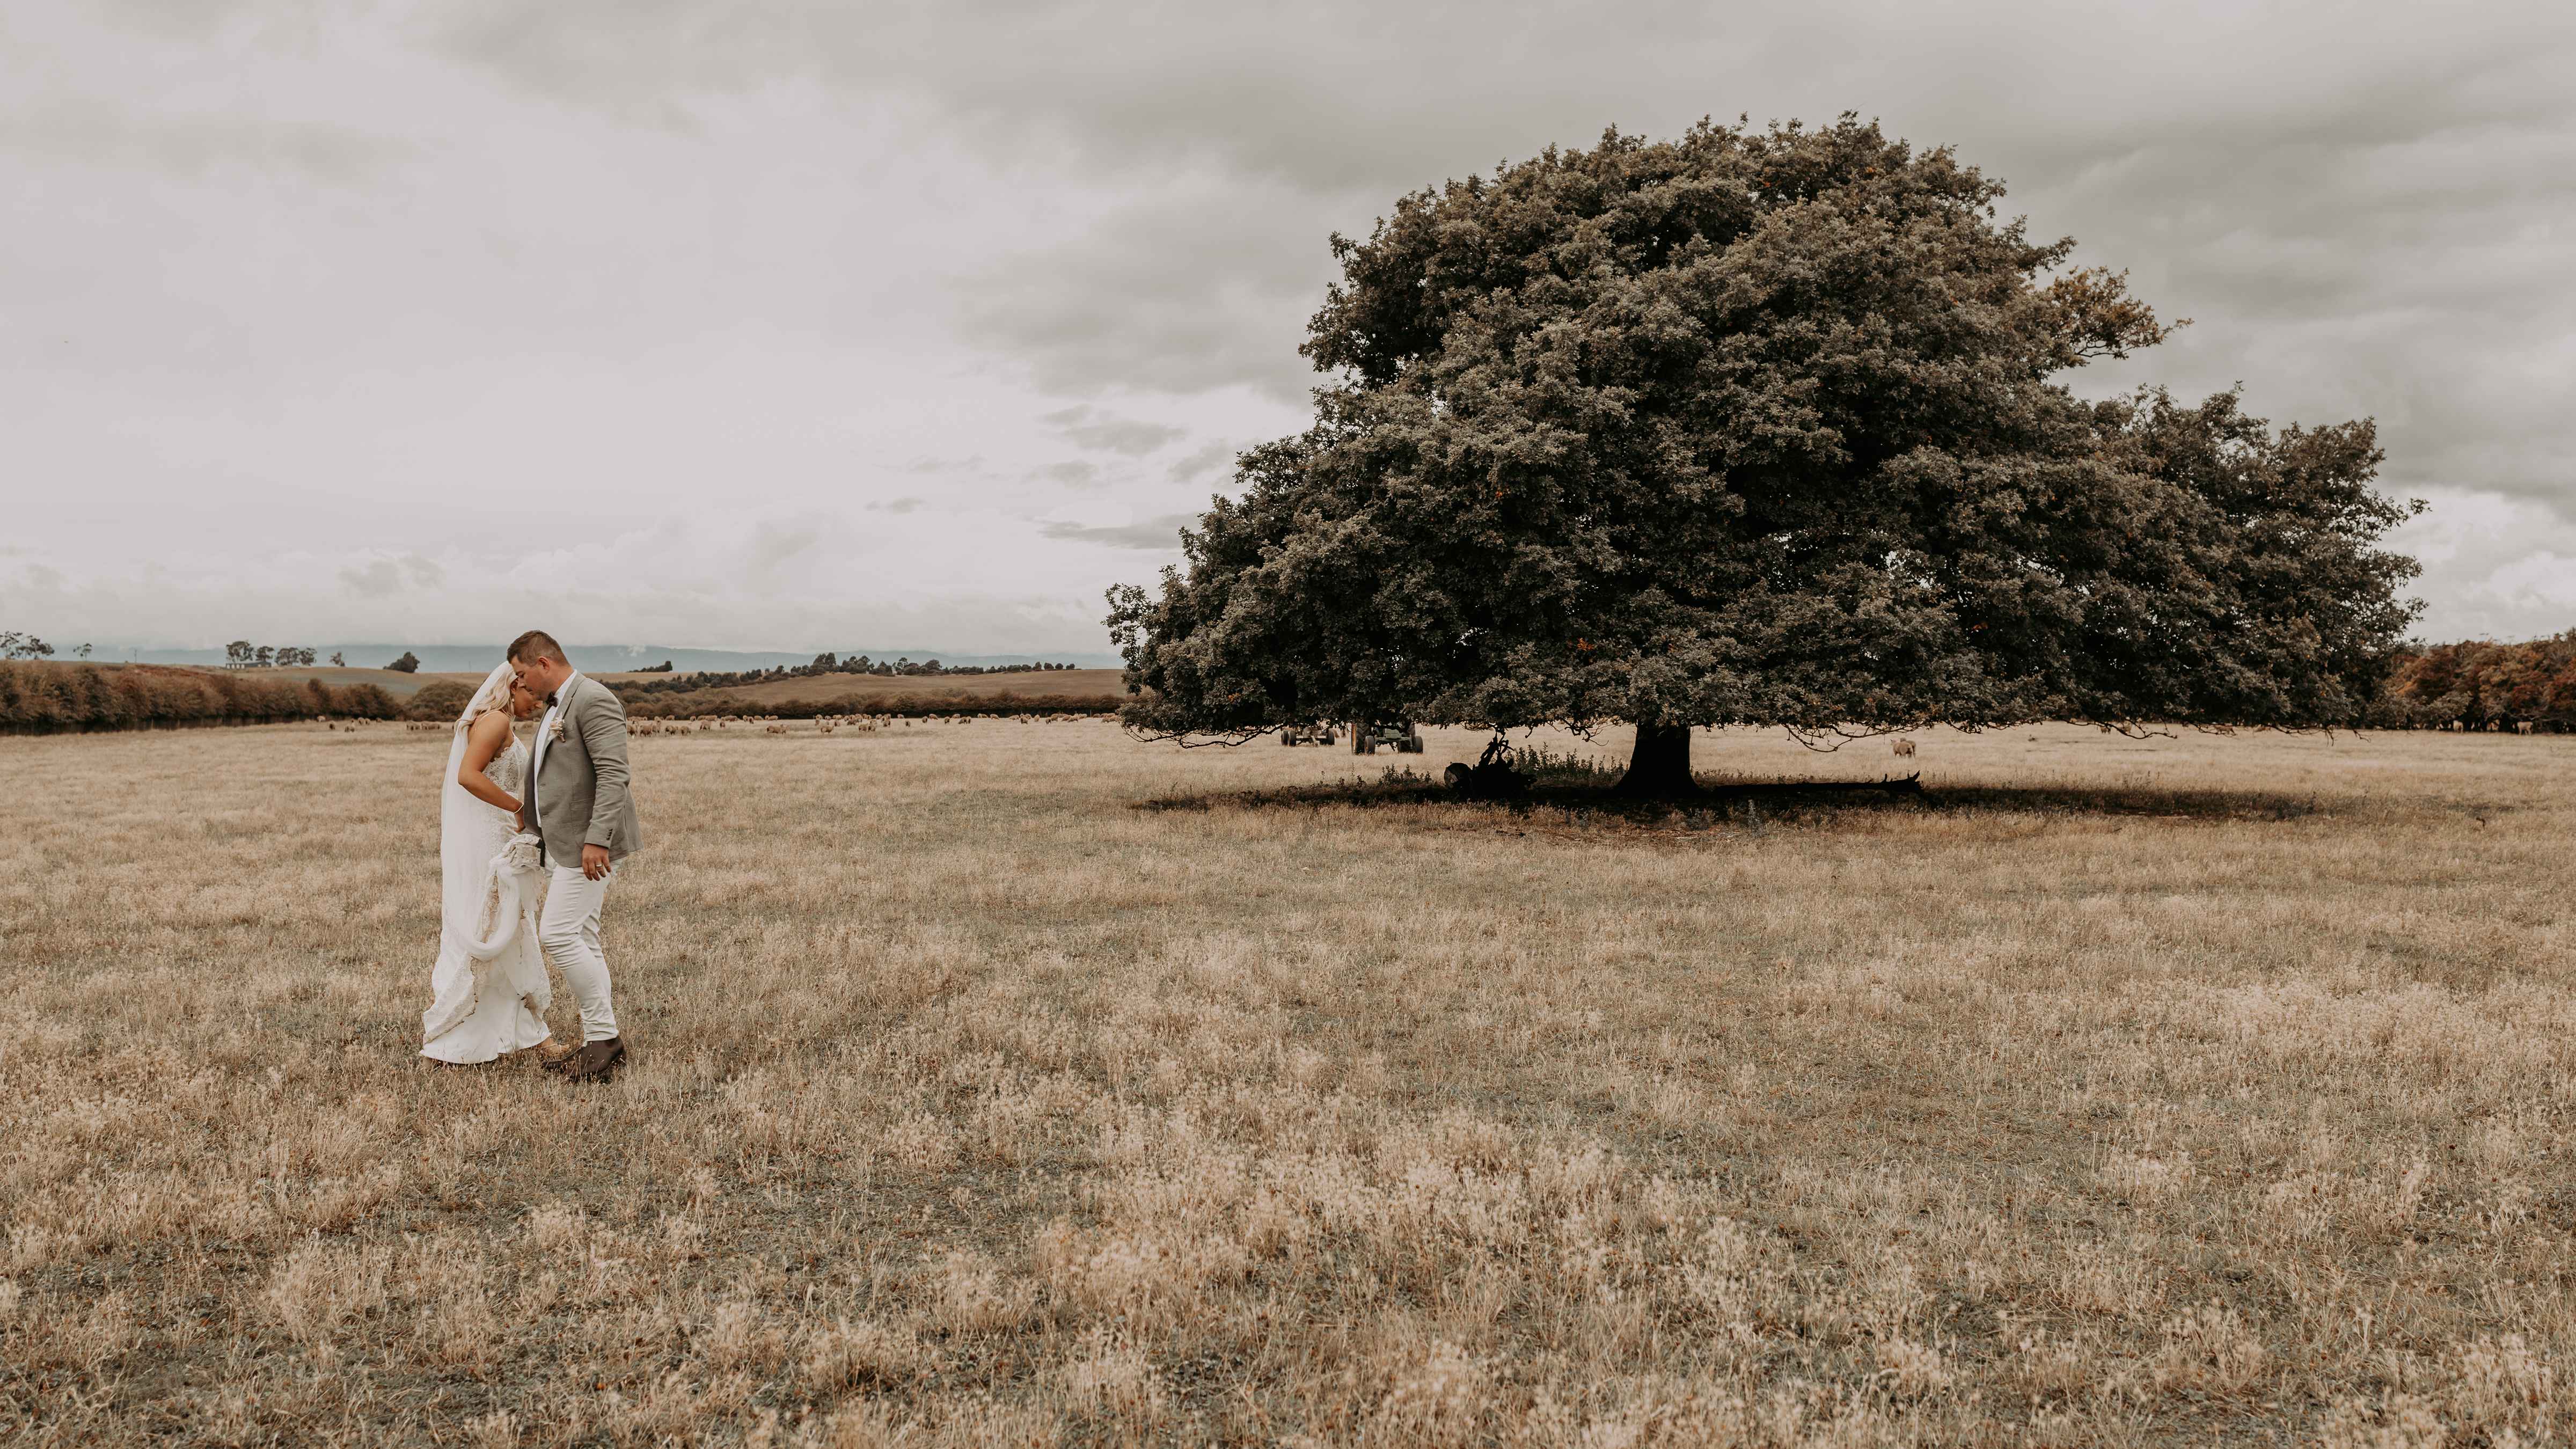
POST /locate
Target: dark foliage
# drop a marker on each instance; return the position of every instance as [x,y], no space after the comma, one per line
[2481,683]
[45,697]
[242,654]
[440,699]
[1758,427]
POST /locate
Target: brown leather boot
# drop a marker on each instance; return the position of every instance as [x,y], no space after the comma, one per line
[552,1054]
[596,1061]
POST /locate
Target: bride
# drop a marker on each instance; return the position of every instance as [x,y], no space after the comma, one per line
[490,980]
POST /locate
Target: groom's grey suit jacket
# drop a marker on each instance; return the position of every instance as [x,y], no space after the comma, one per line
[581,793]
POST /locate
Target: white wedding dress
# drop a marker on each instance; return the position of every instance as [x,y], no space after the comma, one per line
[483,1008]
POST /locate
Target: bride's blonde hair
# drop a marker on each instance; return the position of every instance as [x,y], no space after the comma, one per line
[493,693]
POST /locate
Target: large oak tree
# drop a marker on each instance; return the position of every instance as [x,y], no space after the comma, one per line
[1758,427]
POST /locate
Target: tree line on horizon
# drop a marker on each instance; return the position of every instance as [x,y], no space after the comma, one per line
[242,654]
[2479,683]
[2476,683]
[17,645]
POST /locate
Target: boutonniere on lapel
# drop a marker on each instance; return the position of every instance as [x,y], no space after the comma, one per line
[555,731]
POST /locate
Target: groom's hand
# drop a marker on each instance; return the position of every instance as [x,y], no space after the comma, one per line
[594,861]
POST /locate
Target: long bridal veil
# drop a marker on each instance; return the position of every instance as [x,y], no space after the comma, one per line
[486,871]
[465,824]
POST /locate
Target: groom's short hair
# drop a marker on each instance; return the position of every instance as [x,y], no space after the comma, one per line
[536,644]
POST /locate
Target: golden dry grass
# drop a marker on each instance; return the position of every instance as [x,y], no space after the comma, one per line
[2159,1092]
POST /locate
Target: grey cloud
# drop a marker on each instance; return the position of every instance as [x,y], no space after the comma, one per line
[90,131]
[613,249]
[774,543]
[1351,93]
[1202,286]
[373,581]
[424,572]
[1154,534]
[2401,276]
[1198,463]
[1327,96]
[199,19]
[2276,186]
[1128,437]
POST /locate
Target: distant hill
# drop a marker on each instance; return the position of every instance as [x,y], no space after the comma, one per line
[476,659]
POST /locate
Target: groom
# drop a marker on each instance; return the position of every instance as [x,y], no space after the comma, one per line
[578,804]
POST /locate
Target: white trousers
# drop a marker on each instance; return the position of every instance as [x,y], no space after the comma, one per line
[569,933]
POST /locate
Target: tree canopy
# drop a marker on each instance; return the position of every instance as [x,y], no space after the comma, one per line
[1758,427]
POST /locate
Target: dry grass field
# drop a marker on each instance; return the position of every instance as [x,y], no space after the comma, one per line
[2173,1091]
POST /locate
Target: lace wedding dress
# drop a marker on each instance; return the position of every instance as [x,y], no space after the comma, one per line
[490,981]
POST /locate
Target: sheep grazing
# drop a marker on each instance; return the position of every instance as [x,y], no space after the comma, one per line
[777,729]
[2522,727]
[1905,747]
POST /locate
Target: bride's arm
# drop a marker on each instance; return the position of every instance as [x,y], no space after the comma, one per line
[484,739]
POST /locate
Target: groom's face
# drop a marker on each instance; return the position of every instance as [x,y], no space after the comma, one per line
[540,676]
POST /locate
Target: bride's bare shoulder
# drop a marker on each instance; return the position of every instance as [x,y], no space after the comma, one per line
[487,736]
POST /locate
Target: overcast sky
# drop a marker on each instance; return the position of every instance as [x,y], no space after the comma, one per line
[725,323]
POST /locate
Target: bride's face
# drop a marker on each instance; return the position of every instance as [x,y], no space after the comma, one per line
[523,703]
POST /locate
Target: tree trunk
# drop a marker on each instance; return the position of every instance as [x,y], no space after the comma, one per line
[1661,763]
